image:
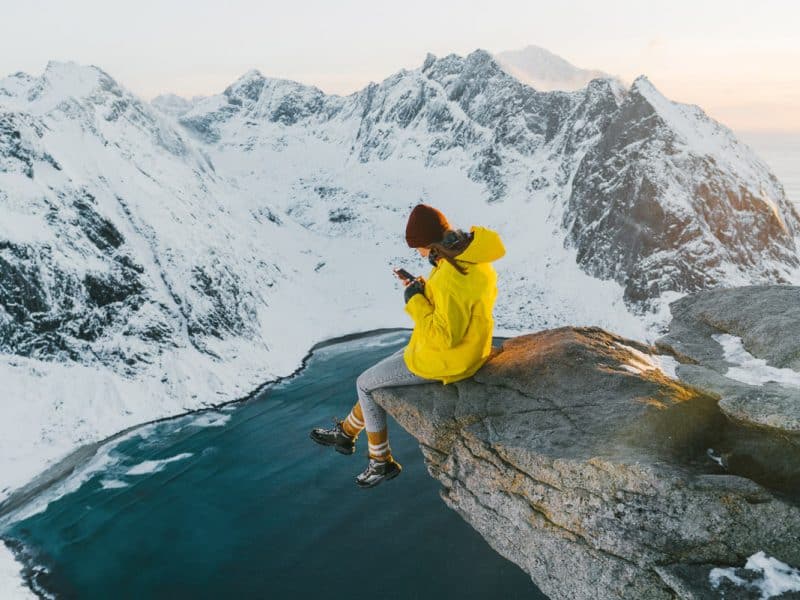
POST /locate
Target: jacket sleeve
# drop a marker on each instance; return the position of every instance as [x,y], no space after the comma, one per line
[444,324]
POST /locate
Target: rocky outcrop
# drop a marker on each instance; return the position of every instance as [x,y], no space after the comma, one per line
[767,320]
[576,456]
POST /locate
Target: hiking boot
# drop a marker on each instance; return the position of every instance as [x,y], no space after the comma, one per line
[336,437]
[377,471]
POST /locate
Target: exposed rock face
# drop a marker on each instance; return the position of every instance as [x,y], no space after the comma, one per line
[651,184]
[581,461]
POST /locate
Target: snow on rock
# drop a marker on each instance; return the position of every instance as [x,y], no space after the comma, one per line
[758,386]
[640,362]
[748,368]
[772,577]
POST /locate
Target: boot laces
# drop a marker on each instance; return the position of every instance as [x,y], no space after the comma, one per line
[375,466]
[337,428]
[370,471]
[337,425]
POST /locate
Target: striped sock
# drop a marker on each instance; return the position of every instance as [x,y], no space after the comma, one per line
[354,422]
[379,445]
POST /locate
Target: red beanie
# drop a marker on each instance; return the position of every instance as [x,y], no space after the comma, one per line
[426,225]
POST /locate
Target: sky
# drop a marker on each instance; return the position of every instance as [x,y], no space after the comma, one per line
[738,60]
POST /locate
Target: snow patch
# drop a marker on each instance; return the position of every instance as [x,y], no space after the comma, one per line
[775,577]
[154,466]
[643,362]
[113,484]
[749,369]
[712,454]
[209,419]
[11,583]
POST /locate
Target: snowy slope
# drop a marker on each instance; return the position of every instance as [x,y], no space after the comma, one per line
[160,258]
[171,104]
[11,585]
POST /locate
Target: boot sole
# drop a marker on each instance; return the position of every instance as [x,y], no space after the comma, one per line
[381,480]
[339,449]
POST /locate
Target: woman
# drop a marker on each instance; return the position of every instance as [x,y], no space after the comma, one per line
[452,337]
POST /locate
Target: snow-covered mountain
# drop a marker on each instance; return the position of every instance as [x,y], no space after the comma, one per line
[545,71]
[171,104]
[596,157]
[158,258]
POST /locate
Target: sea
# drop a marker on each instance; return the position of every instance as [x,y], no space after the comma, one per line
[241,503]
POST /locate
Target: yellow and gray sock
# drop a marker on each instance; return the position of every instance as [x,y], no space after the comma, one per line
[354,422]
[379,445]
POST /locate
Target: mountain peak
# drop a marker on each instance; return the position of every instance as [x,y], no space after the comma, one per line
[480,55]
[59,80]
[643,88]
[643,85]
[703,134]
[252,74]
[69,70]
[171,104]
[545,71]
[249,86]
[481,59]
[537,53]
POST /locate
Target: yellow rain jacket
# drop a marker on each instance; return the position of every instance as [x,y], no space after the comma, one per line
[453,322]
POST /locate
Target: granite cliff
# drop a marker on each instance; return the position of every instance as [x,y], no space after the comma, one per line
[607,468]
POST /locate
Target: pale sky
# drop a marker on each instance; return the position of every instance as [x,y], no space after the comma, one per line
[739,60]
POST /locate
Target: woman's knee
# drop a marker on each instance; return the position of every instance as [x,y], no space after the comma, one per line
[363,381]
[373,375]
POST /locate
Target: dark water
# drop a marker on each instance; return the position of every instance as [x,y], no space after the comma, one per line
[250,507]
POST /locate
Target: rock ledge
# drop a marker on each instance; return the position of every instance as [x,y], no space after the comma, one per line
[581,461]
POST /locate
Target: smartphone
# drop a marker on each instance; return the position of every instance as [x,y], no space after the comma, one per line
[403,274]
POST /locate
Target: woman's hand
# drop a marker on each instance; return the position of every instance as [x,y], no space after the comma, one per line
[413,286]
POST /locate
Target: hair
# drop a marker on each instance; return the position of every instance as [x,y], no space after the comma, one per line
[448,249]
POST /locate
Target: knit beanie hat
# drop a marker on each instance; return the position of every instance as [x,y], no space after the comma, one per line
[426,225]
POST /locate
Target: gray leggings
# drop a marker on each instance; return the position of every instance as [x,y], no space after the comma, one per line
[391,371]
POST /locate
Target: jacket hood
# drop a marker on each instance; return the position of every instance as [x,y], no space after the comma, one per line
[486,246]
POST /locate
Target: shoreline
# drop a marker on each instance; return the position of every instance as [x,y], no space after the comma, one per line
[66,466]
